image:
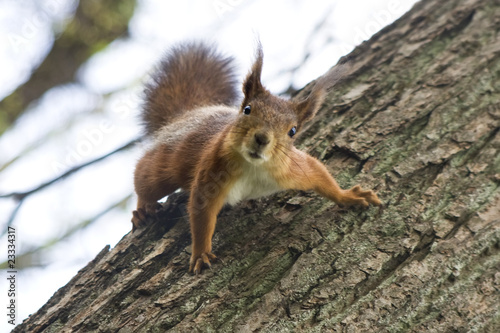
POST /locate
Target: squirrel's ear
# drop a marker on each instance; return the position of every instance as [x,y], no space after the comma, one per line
[307,108]
[252,85]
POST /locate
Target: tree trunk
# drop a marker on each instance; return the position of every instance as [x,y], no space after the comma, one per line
[418,121]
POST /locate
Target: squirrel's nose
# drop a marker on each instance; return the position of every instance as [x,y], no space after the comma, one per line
[261,139]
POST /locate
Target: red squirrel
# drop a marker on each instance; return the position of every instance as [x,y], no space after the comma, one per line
[222,153]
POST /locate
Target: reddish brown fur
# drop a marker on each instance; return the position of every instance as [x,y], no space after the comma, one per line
[232,156]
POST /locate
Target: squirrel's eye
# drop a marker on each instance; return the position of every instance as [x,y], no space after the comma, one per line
[247,109]
[292,132]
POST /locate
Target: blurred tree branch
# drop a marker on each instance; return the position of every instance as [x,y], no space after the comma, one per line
[309,50]
[21,196]
[32,256]
[94,26]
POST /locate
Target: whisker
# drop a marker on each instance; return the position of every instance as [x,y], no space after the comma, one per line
[297,164]
[281,158]
[284,147]
[241,127]
[238,132]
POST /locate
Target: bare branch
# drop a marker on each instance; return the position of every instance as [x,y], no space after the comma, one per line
[27,255]
[20,196]
[72,48]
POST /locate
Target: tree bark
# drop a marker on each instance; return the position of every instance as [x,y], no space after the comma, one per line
[418,120]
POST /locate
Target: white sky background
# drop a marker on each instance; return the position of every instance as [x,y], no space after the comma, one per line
[74,123]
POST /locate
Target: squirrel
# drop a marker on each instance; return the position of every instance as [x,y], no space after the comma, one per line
[222,153]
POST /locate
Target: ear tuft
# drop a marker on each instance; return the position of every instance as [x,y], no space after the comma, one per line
[307,108]
[252,85]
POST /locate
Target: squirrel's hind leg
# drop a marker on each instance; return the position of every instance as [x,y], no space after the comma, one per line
[148,206]
[152,182]
[143,212]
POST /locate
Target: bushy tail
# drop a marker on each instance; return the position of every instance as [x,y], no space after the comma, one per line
[191,75]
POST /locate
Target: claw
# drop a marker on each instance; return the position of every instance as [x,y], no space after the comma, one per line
[370,196]
[358,196]
[201,261]
[140,216]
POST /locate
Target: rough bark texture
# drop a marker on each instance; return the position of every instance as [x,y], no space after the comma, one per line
[419,122]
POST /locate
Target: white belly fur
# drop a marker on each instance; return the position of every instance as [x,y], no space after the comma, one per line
[255,182]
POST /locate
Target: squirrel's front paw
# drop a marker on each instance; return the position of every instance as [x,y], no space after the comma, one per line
[140,215]
[199,261]
[358,196]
